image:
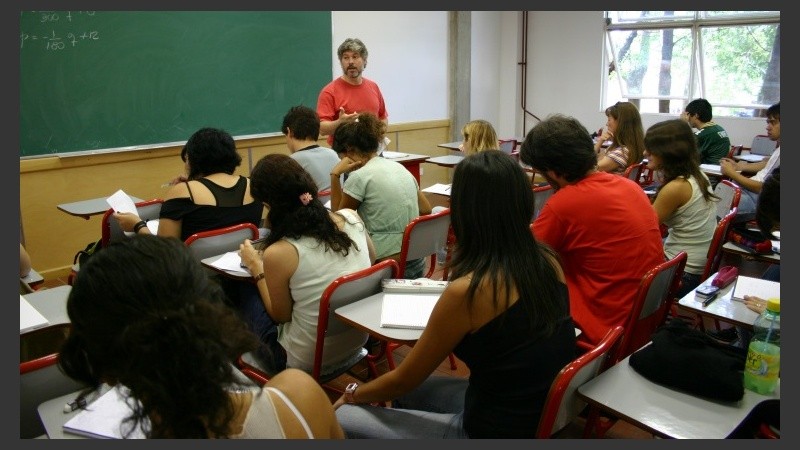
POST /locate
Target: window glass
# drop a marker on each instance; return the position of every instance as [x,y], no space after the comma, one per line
[661,60]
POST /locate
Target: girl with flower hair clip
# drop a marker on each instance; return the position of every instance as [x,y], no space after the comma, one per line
[307,248]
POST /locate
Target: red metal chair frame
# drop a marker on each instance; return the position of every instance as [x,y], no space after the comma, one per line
[562,405]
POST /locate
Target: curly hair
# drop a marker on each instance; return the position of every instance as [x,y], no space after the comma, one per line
[362,136]
[210,150]
[279,181]
[145,315]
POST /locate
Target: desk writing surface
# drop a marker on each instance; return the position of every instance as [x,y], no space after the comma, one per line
[446,161]
[732,247]
[91,207]
[219,264]
[451,145]
[53,417]
[33,278]
[723,308]
[664,411]
[365,315]
[52,303]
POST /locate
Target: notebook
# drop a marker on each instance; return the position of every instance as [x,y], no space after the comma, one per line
[393,155]
[29,317]
[103,418]
[755,286]
[407,310]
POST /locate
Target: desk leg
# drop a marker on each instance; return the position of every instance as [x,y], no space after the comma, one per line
[413,167]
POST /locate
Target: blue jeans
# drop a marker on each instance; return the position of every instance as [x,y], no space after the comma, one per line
[251,309]
[434,410]
[415,268]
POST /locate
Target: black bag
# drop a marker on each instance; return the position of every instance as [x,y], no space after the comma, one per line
[83,255]
[686,359]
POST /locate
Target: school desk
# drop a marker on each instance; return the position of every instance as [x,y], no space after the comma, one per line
[88,208]
[409,160]
[723,307]
[452,145]
[53,417]
[772,258]
[445,161]
[52,303]
[665,412]
[33,279]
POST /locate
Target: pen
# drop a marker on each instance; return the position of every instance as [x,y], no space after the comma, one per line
[708,301]
[72,406]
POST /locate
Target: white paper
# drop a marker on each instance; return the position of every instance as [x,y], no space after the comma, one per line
[103,418]
[407,310]
[755,286]
[231,262]
[711,168]
[438,188]
[29,317]
[152,225]
[750,158]
[122,202]
[393,155]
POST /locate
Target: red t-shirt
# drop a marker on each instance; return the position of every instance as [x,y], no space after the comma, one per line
[365,97]
[606,232]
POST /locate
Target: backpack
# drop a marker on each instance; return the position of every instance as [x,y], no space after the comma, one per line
[751,239]
[83,255]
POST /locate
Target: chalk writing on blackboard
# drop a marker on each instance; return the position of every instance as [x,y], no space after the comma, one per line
[59,40]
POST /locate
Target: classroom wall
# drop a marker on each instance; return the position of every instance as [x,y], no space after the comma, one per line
[409,60]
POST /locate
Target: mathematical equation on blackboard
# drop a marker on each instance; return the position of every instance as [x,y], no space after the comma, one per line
[57,40]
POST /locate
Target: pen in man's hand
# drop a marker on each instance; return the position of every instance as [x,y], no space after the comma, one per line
[72,406]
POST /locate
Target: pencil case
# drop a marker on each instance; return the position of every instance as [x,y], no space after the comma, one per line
[725,276]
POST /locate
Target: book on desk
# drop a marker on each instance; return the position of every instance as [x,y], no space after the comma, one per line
[104,418]
[407,310]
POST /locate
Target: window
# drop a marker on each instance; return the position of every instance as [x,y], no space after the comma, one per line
[661,60]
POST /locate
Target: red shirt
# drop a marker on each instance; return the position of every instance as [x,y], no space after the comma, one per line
[365,97]
[606,232]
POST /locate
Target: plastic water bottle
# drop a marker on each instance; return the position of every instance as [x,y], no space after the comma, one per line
[764,353]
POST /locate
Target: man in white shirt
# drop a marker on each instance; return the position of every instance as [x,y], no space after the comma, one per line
[751,186]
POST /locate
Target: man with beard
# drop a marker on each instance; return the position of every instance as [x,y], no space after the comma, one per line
[344,98]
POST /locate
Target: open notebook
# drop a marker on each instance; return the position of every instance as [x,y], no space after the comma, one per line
[407,310]
[103,418]
[755,286]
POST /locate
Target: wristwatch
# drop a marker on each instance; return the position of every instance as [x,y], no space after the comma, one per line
[349,391]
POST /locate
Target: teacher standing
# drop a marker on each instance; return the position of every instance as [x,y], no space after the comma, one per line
[341,100]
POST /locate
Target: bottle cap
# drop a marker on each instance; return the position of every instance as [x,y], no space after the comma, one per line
[774,305]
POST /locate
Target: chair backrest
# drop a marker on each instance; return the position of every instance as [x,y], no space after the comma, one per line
[729,194]
[540,196]
[324,195]
[634,172]
[343,291]
[507,145]
[735,150]
[111,232]
[424,236]
[714,255]
[763,145]
[40,380]
[221,240]
[562,406]
[653,299]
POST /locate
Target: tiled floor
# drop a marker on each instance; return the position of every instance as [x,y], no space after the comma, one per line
[620,430]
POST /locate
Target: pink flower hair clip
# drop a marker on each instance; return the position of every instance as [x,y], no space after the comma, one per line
[306,198]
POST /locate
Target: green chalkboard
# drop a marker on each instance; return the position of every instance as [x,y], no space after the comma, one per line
[97,80]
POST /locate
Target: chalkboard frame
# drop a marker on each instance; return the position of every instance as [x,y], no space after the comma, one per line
[271,60]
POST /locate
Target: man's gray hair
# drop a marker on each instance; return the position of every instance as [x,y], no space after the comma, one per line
[353,45]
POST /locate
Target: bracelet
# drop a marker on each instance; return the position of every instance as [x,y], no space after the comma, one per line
[139,225]
[258,277]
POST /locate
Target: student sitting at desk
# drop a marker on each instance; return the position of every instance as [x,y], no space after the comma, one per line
[209,197]
[479,135]
[505,314]
[301,127]
[685,201]
[384,193]
[625,131]
[308,247]
[145,315]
